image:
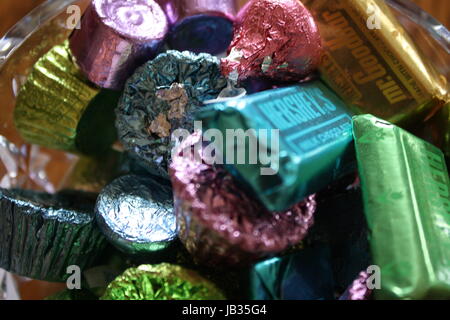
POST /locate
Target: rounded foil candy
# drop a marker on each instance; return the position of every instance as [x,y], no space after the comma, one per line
[43,234]
[116,37]
[222,225]
[161,282]
[136,214]
[161,97]
[200,25]
[278,39]
[58,108]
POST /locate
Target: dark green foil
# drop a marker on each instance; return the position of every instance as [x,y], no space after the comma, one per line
[42,234]
[405,187]
[161,97]
[315,146]
[161,282]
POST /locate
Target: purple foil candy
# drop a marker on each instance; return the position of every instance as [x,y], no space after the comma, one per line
[116,37]
[200,25]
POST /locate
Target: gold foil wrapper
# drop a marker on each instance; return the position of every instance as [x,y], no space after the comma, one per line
[373,64]
[52,101]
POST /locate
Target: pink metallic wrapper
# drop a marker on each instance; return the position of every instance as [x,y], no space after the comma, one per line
[358,290]
[219,223]
[277,39]
[117,36]
[200,25]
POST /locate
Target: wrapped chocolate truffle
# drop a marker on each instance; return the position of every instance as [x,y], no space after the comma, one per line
[116,37]
[405,186]
[219,223]
[162,97]
[372,63]
[277,39]
[161,282]
[136,214]
[41,235]
[286,143]
[59,109]
[200,26]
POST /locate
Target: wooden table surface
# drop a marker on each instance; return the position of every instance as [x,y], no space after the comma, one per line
[12,10]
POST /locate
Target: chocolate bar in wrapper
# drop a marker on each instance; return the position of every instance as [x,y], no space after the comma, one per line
[305,128]
[372,64]
[405,186]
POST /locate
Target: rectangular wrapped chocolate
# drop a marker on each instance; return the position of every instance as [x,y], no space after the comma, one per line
[372,64]
[286,143]
[406,198]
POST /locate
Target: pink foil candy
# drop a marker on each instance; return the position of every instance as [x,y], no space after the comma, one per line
[219,223]
[278,39]
[116,37]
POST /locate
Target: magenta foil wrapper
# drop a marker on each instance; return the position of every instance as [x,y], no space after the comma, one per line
[358,290]
[200,25]
[218,222]
[116,37]
[277,39]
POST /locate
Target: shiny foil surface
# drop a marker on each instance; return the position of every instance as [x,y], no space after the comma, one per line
[313,149]
[135,213]
[116,37]
[306,275]
[358,290]
[278,39]
[162,97]
[43,117]
[42,234]
[161,282]
[372,63]
[219,223]
[408,213]
[200,25]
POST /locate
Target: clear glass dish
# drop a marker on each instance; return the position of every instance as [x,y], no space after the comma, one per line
[39,168]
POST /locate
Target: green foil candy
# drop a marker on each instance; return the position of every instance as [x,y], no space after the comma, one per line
[41,235]
[405,187]
[161,282]
[314,147]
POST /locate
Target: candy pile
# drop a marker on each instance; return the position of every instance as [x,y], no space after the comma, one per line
[307,187]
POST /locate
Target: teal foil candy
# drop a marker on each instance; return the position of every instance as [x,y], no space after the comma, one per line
[43,234]
[315,141]
[405,186]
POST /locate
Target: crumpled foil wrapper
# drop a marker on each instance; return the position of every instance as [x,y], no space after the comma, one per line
[219,223]
[358,290]
[42,234]
[161,282]
[278,39]
[161,97]
[136,214]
